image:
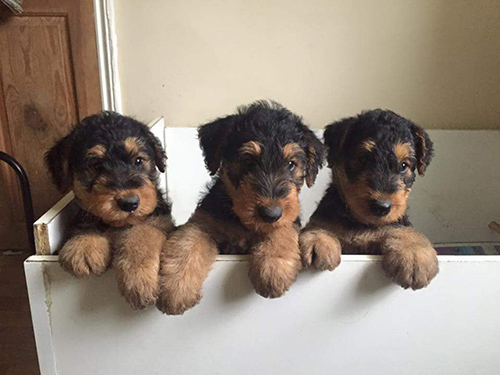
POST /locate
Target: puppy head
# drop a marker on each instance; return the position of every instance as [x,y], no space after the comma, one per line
[110,162]
[264,153]
[374,158]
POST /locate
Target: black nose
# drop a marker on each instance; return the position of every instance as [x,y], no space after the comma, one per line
[380,208]
[128,204]
[270,214]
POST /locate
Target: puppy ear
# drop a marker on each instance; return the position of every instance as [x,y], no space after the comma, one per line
[424,148]
[315,153]
[160,155]
[212,138]
[57,162]
[335,135]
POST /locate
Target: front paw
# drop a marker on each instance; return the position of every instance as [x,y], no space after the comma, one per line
[137,264]
[410,264]
[141,288]
[272,276]
[85,255]
[177,302]
[319,250]
[185,262]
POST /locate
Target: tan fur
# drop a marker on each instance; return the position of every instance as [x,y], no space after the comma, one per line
[189,253]
[238,239]
[420,164]
[133,145]
[402,151]
[86,254]
[246,201]
[137,261]
[101,202]
[368,145]
[357,196]
[98,151]
[252,148]
[311,160]
[320,249]
[275,262]
[186,260]
[409,258]
[292,150]
[362,241]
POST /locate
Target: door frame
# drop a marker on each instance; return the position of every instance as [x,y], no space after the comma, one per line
[107,55]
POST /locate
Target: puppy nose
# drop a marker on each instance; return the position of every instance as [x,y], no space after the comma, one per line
[129,203]
[270,214]
[380,208]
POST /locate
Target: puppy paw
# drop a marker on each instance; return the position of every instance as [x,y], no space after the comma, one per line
[175,302]
[319,250]
[141,288]
[272,276]
[137,264]
[185,262]
[85,255]
[410,262]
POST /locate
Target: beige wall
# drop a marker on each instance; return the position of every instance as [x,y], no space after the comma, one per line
[435,61]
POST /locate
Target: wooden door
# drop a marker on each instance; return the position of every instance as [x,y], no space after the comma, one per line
[48,81]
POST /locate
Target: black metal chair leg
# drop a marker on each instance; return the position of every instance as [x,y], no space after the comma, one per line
[26,192]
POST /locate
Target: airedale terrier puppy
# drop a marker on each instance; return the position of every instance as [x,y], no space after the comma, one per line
[123,219]
[262,154]
[374,158]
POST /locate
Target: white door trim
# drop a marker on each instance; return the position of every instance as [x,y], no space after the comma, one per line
[107,55]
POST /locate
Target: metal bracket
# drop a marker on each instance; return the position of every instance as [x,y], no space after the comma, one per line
[26,193]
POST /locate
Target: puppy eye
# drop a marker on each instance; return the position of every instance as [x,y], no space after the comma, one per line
[95,165]
[138,161]
[291,166]
[404,167]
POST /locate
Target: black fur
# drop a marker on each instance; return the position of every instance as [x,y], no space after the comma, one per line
[273,127]
[268,123]
[68,160]
[380,166]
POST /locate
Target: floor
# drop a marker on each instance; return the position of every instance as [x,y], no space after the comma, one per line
[17,343]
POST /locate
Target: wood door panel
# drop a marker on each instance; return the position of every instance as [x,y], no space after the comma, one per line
[81,25]
[49,80]
[38,88]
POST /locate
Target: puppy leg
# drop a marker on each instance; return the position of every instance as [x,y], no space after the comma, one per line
[409,258]
[87,253]
[319,247]
[275,263]
[186,260]
[137,264]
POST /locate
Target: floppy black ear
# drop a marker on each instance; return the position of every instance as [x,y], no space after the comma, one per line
[212,138]
[160,156]
[424,148]
[334,136]
[57,162]
[315,153]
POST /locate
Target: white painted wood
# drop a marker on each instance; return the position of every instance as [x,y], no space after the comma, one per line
[38,283]
[56,221]
[186,172]
[454,202]
[350,321]
[157,127]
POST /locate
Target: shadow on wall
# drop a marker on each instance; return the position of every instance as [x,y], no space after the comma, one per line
[463,73]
